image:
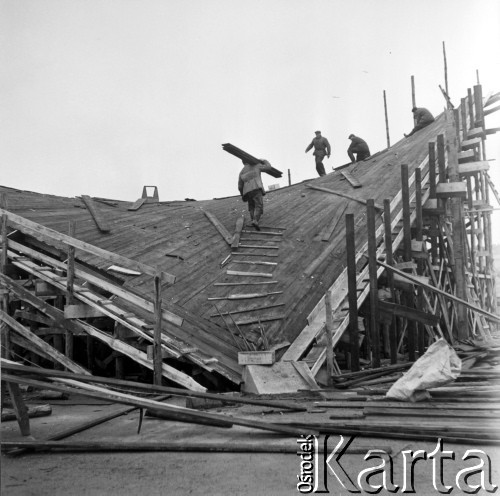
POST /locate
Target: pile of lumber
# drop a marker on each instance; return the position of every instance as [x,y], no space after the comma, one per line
[111,390]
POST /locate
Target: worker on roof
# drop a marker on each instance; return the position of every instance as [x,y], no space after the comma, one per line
[252,190]
[359,147]
[321,148]
[422,118]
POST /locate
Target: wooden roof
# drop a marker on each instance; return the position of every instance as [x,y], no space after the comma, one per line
[178,238]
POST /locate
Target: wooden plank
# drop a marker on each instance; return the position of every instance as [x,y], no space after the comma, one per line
[40,343]
[473,167]
[451,190]
[256,357]
[101,222]
[253,274]
[244,296]
[128,399]
[20,409]
[77,326]
[150,388]
[99,282]
[466,156]
[343,195]
[45,234]
[217,224]
[258,320]
[81,311]
[137,204]
[352,292]
[268,233]
[417,280]
[265,247]
[470,143]
[408,313]
[332,226]
[352,180]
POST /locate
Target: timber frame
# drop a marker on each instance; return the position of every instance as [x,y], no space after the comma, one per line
[432,247]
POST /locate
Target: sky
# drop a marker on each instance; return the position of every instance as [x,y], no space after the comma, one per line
[103,97]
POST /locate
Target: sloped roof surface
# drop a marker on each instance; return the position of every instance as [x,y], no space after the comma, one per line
[177,237]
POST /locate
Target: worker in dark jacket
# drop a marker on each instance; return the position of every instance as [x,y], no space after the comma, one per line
[252,190]
[359,147]
[422,119]
[321,148]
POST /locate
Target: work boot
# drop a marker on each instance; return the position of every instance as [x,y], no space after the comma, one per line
[255,223]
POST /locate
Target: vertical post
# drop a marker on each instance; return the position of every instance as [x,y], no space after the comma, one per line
[470,103]
[70,298]
[119,362]
[4,299]
[393,335]
[445,70]
[458,228]
[407,254]
[351,291]
[289,178]
[413,99]
[372,270]
[478,106]
[477,76]
[20,408]
[157,354]
[386,123]
[420,263]
[329,340]
[432,195]
[463,112]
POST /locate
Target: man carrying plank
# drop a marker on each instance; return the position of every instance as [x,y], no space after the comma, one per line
[251,188]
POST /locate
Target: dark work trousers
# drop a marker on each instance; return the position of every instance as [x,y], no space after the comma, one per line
[320,168]
[255,200]
[361,156]
[420,126]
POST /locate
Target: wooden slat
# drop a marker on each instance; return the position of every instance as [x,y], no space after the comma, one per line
[45,234]
[99,219]
[137,204]
[217,224]
[352,180]
[40,343]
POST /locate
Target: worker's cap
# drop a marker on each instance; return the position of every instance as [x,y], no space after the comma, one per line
[414,109]
[317,132]
[350,136]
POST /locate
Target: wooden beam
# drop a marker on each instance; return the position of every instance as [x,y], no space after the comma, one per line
[420,282]
[78,326]
[101,222]
[330,228]
[81,311]
[46,234]
[99,282]
[128,399]
[451,190]
[352,180]
[352,292]
[40,343]
[408,313]
[343,195]
[217,224]
[473,167]
[137,204]
[372,263]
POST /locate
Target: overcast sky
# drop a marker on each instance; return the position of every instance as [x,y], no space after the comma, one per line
[102,97]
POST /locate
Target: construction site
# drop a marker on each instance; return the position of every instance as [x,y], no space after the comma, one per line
[146,329]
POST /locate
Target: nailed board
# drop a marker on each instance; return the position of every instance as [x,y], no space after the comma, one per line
[282,377]
[353,180]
